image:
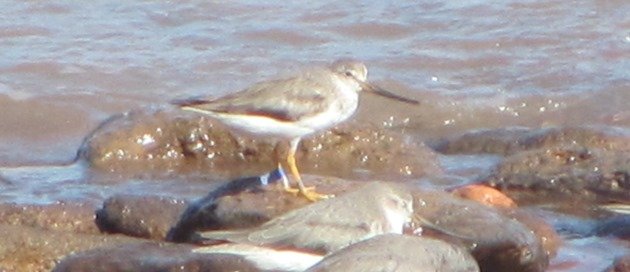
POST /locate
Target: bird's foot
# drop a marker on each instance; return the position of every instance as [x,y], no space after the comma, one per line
[308,192]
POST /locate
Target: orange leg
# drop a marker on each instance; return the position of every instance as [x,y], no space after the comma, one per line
[308,192]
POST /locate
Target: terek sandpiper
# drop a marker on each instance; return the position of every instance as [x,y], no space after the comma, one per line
[292,108]
[373,209]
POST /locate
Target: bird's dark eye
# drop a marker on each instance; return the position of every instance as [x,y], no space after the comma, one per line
[349,74]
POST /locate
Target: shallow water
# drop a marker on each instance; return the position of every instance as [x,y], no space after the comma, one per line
[66,67]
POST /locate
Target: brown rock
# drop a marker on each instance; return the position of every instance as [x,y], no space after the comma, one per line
[139,216]
[513,140]
[32,250]
[61,216]
[379,153]
[563,173]
[170,142]
[546,234]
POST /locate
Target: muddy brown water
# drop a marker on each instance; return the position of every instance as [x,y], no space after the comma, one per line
[67,67]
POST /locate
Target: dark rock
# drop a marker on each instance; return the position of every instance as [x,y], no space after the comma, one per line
[513,140]
[546,234]
[139,216]
[150,256]
[563,173]
[30,249]
[393,252]
[497,242]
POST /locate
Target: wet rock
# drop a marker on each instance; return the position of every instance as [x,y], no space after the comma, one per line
[497,242]
[150,256]
[513,140]
[32,249]
[392,252]
[61,216]
[563,173]
[168,141]
[622,264]
[139,216]
[381,154]
[490,197]
[545,232]
[496,141]
[162,142]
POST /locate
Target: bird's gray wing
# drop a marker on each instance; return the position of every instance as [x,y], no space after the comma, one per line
[321,229]
[286,100]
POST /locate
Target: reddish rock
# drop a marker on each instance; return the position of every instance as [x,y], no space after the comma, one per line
[485,195]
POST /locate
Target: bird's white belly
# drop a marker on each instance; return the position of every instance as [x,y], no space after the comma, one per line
[262,125]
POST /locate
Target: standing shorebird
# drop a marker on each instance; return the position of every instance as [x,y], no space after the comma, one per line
[291,108]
